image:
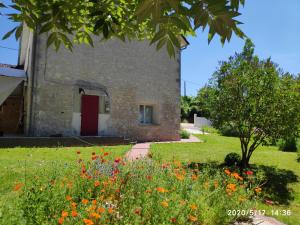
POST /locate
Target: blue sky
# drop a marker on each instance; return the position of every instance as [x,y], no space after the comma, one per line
[273,26]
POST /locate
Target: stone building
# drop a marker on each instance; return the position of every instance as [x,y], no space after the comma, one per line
[121,89]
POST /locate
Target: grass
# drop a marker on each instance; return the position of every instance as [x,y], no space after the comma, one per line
[215,148]
[17,163]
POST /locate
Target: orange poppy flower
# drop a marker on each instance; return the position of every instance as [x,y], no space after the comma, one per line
[95,215]
[74,213]
[194,177]
[216,184]
[73,204]
[101,210]
[94,202]
[110,210]
[192,218]
[85,201]
[165,204]
[97,183]
[64,214]
[193,206]
[227,171]
[257,190]
[237,176]
[231,187]
[69,198]
[137,211]
[161,190]
[18,186]
[179,177]
[61,220]
[148,191]
[88,222]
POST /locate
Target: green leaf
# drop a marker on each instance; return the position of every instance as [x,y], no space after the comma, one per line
[19,32]
[143,6]
[51,39]
[161,43]
[88,40]
[105,30]
[8,34]
[159,35]
[174,4]
[57,44]
[47,27]
[170,49]
[174,39]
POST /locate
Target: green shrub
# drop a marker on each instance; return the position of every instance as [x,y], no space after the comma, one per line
[288,145]
[184,134]
[228,131]
[232,159]
[209,129]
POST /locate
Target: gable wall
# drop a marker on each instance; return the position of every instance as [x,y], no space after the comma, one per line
[132,73]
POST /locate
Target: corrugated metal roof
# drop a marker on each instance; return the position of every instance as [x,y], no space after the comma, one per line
[11,72]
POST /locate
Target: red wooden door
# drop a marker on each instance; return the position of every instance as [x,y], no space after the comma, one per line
[89,115]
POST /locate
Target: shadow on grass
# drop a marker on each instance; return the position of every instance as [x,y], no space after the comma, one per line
[276,180]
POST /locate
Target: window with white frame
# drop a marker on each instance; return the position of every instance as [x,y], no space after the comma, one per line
[146,114]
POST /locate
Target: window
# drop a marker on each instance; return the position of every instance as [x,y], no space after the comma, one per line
[146,114]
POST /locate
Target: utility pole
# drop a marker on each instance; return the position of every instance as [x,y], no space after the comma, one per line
[184,88]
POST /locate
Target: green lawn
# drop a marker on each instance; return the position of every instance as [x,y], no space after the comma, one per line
[215,148]
[17,163]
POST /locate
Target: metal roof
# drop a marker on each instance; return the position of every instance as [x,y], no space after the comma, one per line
[12,72]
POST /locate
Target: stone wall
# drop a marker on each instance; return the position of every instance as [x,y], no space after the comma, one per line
[131,74]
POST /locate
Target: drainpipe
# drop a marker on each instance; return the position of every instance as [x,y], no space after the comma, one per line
[31,77]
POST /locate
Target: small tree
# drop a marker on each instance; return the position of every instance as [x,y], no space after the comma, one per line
[254,98]
[188,108]
[201,100]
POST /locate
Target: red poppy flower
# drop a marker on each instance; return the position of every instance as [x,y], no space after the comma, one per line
[173,220]
[249,172]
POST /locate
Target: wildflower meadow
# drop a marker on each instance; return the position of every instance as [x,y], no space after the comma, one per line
[105,191]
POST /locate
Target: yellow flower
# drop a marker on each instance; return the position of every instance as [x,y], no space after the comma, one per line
[164,204]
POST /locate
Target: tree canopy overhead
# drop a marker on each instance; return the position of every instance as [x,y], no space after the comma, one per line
[160,21]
